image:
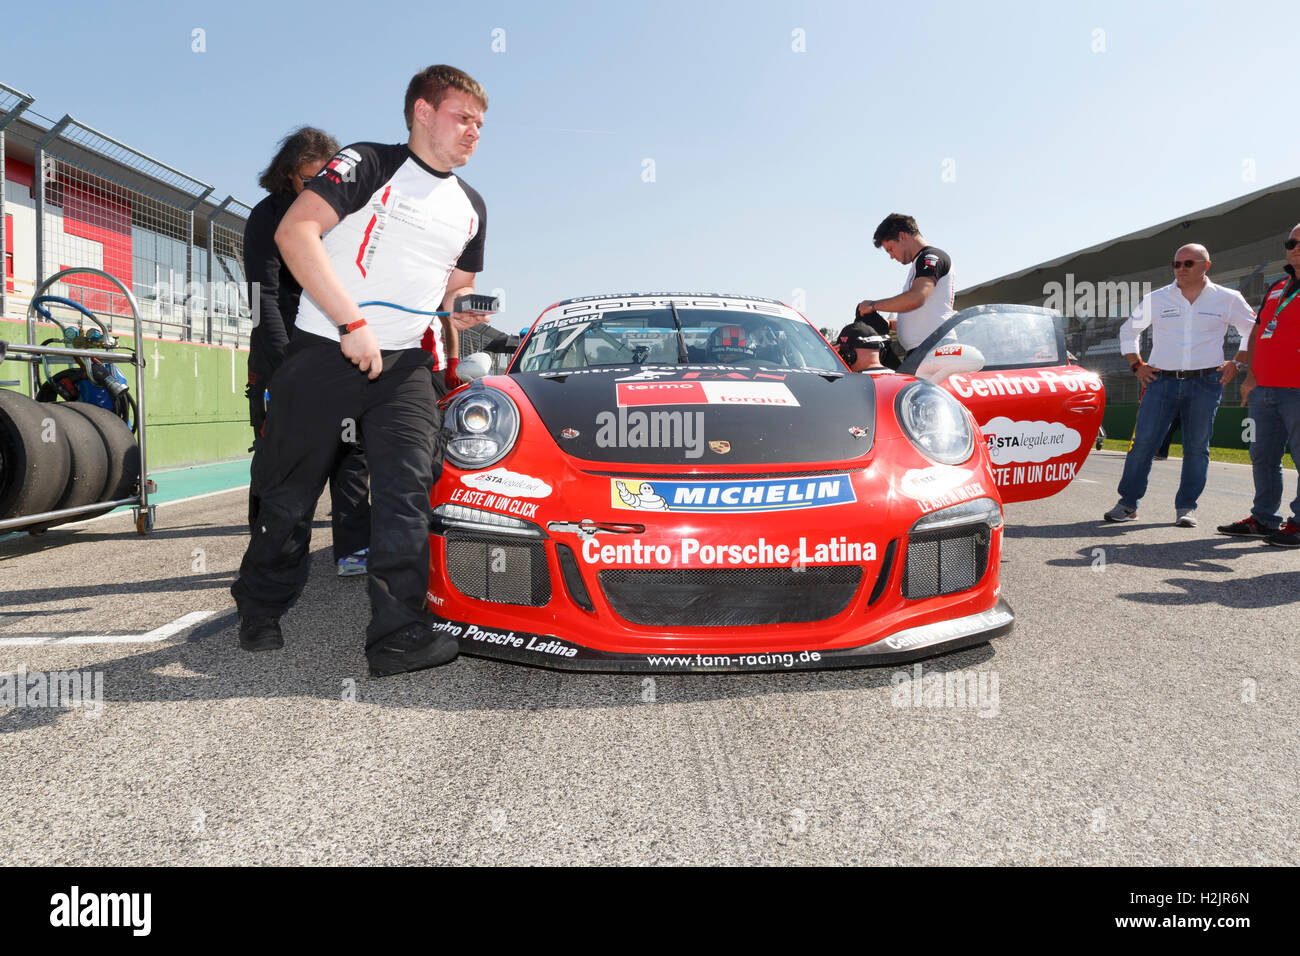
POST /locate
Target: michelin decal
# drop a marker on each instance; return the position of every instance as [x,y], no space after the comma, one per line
[740,497]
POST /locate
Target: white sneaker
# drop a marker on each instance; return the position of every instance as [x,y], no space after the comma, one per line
[1121,513]
[1186,518]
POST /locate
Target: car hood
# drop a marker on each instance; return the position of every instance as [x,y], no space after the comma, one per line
[705,415]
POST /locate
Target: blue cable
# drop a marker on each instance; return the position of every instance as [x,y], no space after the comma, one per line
[402,308]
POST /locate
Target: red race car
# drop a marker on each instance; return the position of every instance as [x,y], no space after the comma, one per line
[667,483]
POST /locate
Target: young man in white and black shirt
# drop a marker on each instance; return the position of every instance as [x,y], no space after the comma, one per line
[926,301]
[381,239]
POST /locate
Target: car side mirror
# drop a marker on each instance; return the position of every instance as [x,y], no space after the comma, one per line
[945,360]
[474,366]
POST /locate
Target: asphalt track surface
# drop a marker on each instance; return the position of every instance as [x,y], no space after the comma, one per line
[1146,712]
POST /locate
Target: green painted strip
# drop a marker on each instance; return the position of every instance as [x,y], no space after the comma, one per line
[178,483]
[194,396]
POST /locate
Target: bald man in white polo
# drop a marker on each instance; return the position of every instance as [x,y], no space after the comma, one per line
[1189,319]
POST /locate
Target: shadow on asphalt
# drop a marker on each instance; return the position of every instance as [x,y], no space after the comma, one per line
[21,545]
[1201,554]
[331,666]
[1268,590]
[180,582]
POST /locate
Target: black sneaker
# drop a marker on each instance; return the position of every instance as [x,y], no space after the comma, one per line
[260,634]
[1287,536]
[1246,528]
[412,648]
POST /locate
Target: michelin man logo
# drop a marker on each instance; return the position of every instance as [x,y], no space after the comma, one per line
[645,498]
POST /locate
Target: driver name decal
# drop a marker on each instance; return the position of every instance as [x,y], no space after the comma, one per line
[739,497]
[705,393]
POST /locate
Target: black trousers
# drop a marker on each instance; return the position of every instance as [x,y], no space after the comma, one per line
[349,482]
[319,397]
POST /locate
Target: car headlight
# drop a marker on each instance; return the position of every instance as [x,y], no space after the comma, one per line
[481,426]
[935,423]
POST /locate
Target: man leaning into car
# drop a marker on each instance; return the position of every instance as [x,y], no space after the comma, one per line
[370,230]
[1186,374]
[926,301]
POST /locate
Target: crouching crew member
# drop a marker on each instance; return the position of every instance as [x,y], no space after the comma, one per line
[392,227]
[302,154]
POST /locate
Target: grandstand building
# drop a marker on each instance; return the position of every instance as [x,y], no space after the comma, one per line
[1097,288]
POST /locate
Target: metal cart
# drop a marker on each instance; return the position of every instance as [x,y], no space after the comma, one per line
[34,354]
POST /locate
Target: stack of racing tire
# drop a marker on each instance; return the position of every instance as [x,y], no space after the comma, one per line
[56,455]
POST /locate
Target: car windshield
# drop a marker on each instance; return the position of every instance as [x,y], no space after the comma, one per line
[1008,336]
[651,337]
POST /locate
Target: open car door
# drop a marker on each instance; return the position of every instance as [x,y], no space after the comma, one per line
[1039,412]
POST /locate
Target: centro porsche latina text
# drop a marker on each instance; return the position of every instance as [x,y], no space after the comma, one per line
[690,552]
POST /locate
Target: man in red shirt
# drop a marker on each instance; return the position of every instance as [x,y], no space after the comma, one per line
[1271,391]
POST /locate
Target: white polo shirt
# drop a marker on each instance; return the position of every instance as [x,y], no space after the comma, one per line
[403,227]
[1187,335]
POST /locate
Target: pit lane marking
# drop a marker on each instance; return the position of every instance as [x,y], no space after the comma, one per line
[149,637]
[123,509]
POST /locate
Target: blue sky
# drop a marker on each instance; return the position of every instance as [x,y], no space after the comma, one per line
[1013,132]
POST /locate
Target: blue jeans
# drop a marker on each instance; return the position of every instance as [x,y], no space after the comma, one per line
[1197,401]
[1276,414]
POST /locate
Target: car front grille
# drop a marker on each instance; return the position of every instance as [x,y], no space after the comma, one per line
[680,597]
[504,571]
[945,562]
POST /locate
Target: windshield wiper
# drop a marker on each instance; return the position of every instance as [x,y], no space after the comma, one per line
[683,357]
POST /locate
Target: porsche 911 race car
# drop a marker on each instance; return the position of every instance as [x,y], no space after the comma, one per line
[667,483]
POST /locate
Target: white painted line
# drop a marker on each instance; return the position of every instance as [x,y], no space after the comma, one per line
[161,504]
[149,637]
[1088,481]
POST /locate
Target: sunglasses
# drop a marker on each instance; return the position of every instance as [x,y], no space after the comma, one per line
[1186,263]
[1290,244]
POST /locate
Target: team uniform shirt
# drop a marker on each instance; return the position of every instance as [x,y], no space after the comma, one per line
[276,291]
[1187,335]
[403,226]
[1276,361]
[915,327]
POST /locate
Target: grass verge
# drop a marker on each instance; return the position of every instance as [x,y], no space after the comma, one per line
[1237,456]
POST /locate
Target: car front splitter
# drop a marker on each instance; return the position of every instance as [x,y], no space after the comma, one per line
[909,644]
